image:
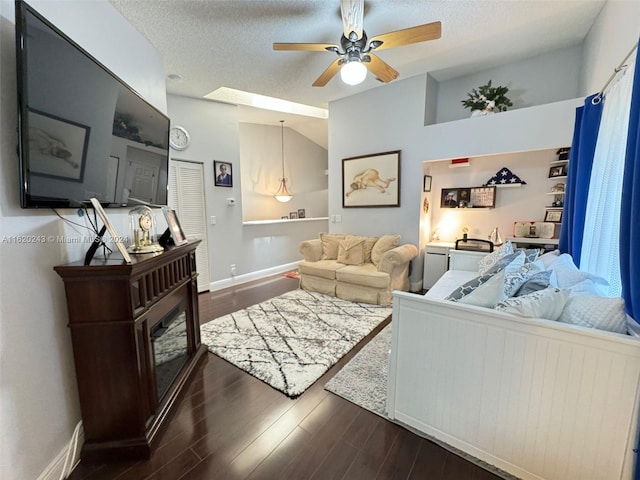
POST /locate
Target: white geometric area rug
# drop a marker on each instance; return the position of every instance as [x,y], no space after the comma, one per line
[289,341]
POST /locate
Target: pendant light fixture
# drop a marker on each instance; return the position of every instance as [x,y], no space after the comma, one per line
[282,195]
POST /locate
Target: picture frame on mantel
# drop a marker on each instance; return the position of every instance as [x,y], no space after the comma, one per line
[371,180]
[173,224]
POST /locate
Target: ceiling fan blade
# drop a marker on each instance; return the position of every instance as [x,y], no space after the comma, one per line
[421,33]
[328,74]
[352,17]
[381,69]
[308,47]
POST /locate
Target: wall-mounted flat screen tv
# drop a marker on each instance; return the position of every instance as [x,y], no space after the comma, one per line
[83,132]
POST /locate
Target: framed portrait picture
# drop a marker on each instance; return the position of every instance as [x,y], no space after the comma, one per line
[449,198]
[301,213]
[57,147]
[223,174]
[371,180]
[557,171]
[554,216]
[112,231]
[426,183]
[293,215]
[175,229]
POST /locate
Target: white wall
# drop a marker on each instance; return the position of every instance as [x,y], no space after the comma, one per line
[546,78]
[305,164]
[215,135]
[610,39]
[39,402]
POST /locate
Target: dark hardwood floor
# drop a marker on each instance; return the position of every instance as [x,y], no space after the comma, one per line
[229,425]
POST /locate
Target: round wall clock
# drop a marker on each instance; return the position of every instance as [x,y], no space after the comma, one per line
[179,138]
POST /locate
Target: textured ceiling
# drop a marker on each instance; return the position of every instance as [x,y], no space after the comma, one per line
[215,43]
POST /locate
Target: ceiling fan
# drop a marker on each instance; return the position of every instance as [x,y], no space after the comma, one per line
[355,52]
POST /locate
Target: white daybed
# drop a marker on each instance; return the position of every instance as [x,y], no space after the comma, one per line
[536,398]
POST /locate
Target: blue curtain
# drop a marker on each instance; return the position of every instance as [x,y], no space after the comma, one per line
[585,135]
[630,209]
[630,216]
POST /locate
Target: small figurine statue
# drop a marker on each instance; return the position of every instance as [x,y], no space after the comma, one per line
[495,237]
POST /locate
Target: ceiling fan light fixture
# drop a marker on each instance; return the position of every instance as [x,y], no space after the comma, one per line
[353,72]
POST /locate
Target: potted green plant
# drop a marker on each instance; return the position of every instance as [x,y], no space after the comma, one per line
[487,99]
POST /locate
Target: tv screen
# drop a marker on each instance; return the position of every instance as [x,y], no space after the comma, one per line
[82,131]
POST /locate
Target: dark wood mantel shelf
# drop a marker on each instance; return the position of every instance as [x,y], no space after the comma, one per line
[113,309]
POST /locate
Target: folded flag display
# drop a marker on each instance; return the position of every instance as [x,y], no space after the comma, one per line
[504,178]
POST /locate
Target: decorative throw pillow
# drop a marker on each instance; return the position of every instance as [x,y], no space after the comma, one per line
[369,242]
[538,281]
[487,294]
[516,275]
[351,250]
[510,262]
[330,244]
[382,246]
[486,262]
[531,254]
[549,257]
[568,274]
[503,262]
[468,287]
[587,287]
[604,313]
[547,303]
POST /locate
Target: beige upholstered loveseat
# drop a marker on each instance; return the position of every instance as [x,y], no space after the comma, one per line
[356,268]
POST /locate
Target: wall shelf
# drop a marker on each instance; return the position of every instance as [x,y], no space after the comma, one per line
[285,220]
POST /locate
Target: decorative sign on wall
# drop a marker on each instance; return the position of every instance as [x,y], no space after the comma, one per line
[483,197]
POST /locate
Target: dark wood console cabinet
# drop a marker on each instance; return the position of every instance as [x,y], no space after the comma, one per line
[114,308]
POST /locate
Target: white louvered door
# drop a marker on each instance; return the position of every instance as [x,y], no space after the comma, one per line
[186,197]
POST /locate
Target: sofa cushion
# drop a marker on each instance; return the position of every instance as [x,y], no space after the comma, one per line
[361,294]
[330,244]
[366,275]
[351,250]
[322,268]
[382,246]
[318,284]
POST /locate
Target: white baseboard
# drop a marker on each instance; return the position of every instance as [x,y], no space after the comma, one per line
[64,463]
[248,277]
